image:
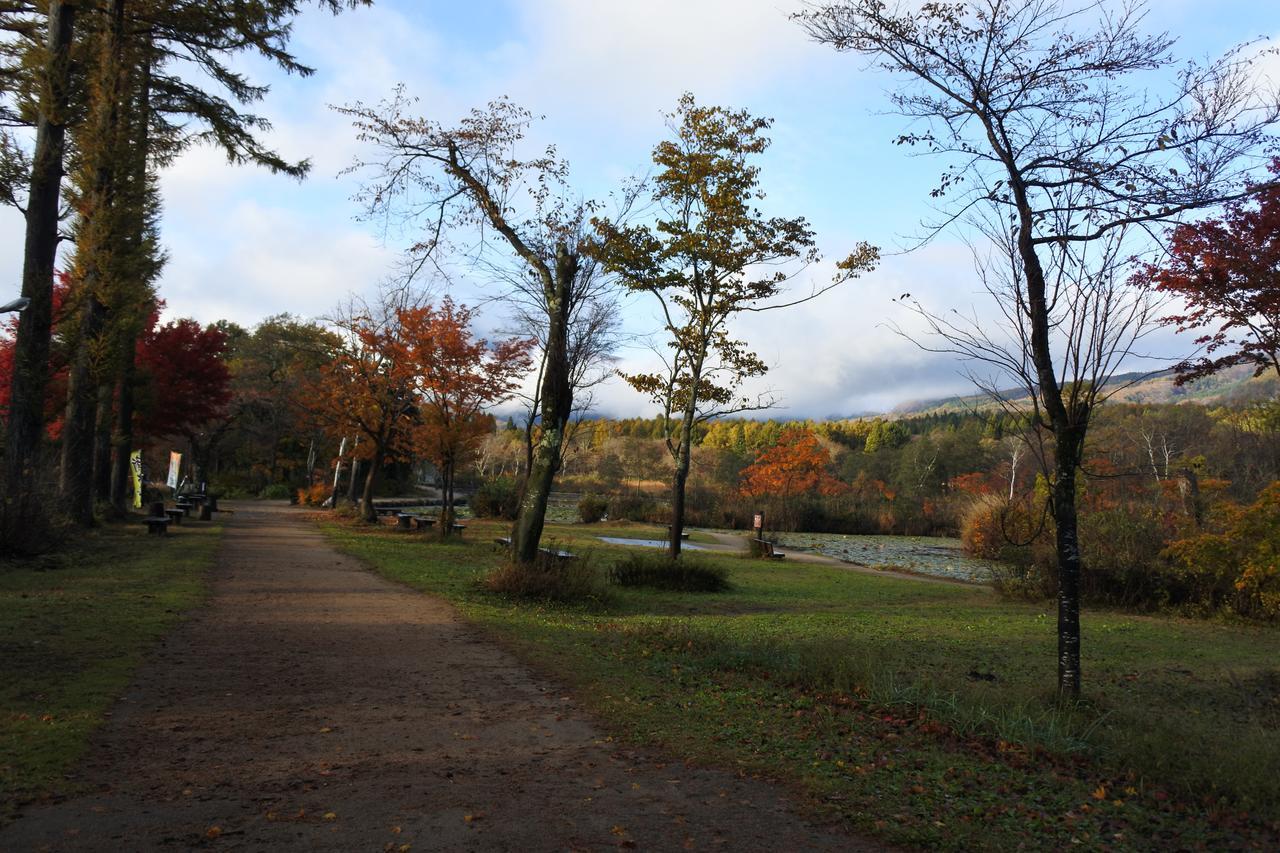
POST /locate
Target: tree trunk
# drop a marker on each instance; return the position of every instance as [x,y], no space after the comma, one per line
[99,234]
[78,431]
[446,510]
[102,440]
[22,513]
[557,408]
[1068,427]
[678,483]
[1067,540]
[681,478]
[357,466]
[121,469]
[367,511]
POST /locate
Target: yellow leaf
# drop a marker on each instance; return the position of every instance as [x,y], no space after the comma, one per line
[1101,793]
[330,816]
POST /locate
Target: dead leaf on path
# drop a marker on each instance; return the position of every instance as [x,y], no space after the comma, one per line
[618,830]
[213,832]
[471,818]
[395,830]
[325,730]
[330,816]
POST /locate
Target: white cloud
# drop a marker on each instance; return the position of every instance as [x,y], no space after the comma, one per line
[263,260]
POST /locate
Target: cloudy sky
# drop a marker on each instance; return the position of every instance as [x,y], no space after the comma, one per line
[244,244]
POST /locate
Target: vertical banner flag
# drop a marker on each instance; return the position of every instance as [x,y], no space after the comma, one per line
[175,462]
[135,465]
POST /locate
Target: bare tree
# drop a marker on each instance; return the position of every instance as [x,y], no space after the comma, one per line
[595,333]
[1072,162]
[469,180]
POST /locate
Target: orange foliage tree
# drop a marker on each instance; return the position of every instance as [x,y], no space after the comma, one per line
[368,389]
[458,377]
[795,466]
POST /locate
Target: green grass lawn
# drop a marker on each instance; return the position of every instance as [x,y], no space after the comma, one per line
[73,628]
[923,713]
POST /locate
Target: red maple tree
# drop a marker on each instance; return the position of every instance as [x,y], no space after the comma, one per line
[56,399]
[459,376]
[1227,272]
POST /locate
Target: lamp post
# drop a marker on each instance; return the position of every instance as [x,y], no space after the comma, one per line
[16,305]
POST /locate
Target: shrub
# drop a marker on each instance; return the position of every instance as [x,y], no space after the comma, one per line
[657,570]
[592,508]
[1239,567]
[1120,549]
[496,498]
[548,578]
[635,506]
[314,495]
[992,528]
[277,492]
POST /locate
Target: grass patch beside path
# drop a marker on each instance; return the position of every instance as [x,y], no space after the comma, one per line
[922,713]
[73,629]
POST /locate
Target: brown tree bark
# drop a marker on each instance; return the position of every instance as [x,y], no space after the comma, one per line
[122,438]
[22,515]
[98,234]
[557,408]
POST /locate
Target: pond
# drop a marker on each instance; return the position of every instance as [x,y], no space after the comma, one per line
[928,555]
[648,543]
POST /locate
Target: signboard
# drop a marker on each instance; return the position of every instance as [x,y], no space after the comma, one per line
[175,462]
[757,523]
[135,465]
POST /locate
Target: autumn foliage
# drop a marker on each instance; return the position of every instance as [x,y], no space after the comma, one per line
[1227,271]
[186,380]
[417,385]
[797,465]
[458,377]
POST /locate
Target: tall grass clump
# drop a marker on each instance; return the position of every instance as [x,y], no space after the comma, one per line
[549,578]
[658,571]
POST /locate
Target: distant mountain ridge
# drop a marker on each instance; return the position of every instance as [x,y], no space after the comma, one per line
[1234,385]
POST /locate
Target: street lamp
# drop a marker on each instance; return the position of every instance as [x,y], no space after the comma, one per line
[16,305]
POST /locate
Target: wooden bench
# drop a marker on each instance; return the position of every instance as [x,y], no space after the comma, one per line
[423,522]
[175,515]
[556,554]
[503,542]
[403,519]
[766,549]
[157,524]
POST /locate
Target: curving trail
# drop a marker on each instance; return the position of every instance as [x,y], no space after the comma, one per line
[311,705]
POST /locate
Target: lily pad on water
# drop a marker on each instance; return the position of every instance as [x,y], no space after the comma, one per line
[928,555]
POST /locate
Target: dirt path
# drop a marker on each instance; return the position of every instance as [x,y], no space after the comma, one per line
[314,706]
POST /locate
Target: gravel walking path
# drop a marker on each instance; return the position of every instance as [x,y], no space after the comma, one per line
[311,705]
